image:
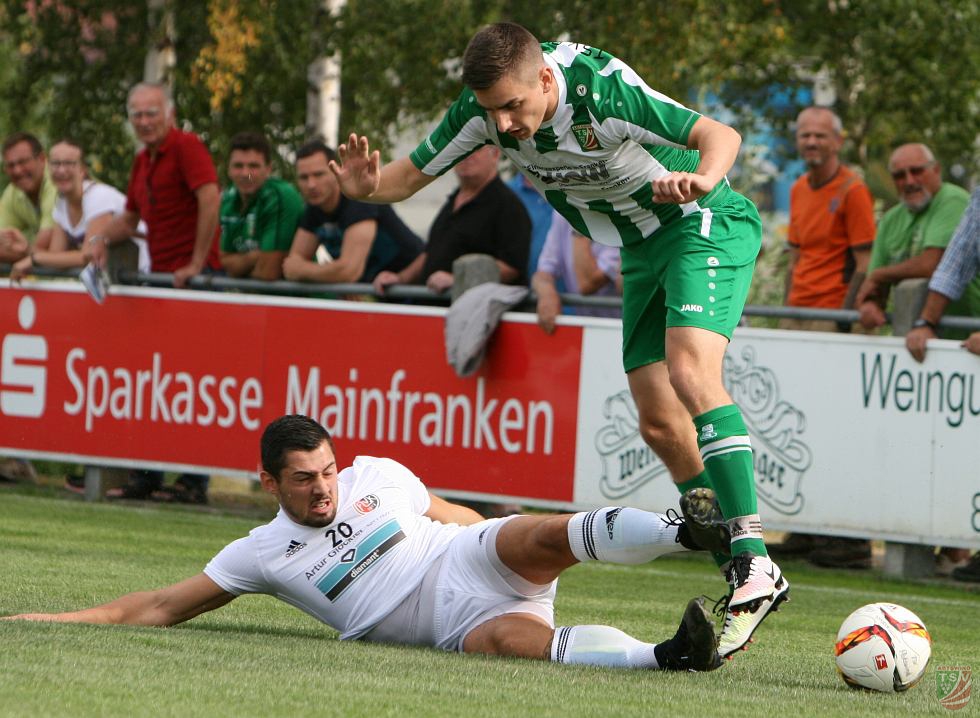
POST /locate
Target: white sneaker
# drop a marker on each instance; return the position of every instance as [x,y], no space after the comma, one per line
[763,588]
[755,578]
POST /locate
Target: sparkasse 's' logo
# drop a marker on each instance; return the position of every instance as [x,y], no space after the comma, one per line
[23,375]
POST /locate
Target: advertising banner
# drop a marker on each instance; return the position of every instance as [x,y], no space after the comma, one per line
[188,379]
[850,435]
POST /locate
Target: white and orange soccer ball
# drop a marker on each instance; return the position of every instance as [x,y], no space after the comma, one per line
[883,647]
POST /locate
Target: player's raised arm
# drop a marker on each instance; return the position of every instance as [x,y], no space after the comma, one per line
[164,607]
[362,177]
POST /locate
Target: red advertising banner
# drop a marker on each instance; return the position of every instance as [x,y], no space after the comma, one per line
[191,378]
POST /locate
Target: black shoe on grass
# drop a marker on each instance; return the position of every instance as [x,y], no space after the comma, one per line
[695,646]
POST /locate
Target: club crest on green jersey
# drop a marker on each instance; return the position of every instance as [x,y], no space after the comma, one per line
[586,137]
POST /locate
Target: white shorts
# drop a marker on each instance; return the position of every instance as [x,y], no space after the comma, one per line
[467,586]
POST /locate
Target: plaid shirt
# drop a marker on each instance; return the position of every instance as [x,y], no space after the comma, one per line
[961,260]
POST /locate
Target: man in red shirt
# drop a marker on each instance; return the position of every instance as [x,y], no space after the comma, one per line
[831,223]
[173,187]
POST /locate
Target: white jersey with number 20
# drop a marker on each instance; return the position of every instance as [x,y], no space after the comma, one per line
[355,571]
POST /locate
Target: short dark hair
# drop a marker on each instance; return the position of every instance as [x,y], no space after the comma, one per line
[251,141]
[497,50]
[18,137]
[316,147]
[293,432]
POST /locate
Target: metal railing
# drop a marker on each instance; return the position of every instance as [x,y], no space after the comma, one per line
[215,282]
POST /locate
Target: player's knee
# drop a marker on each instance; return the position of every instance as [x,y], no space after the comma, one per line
[692,381]
[663,432]
[551,535]
[510,635]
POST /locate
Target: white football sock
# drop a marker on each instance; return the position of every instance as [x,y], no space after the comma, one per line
[601,646]
[621,535]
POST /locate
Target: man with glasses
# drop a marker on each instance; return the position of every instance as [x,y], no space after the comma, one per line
[912,235]
[912,238]
[26,203]
[173,187]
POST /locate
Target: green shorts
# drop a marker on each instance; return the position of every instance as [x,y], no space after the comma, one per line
[694,272]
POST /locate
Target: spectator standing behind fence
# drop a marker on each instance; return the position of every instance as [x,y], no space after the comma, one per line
[582,266]
[482,216]
[831,229]
[83,208]
[958,270]
[913,234]
[911,239]
[25,222]
[26,203]
[831,224]
[259,212]
[540,213]
[173,187]
[361,239]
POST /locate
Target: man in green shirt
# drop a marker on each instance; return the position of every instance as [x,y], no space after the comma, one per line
[259,213]
[913,234]
[27,202]
[629,167]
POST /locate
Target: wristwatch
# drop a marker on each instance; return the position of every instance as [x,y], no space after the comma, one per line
[922,322]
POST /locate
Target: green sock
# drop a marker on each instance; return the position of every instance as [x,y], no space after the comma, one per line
[727,455]
[701,481]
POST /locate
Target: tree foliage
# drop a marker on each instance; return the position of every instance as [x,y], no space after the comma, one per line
[241,65]
[902,70]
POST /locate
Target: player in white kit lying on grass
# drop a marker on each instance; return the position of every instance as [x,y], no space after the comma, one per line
[370,552]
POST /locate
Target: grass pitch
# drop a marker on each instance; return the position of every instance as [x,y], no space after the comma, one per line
[260,657]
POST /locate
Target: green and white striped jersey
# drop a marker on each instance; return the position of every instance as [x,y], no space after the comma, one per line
[594,159]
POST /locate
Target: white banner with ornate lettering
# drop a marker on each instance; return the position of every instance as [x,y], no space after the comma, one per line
[850,435]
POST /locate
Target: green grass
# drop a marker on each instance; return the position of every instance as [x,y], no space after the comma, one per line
[261,657]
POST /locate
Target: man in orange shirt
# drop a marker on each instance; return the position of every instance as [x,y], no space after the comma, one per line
[831,228]
[831,223]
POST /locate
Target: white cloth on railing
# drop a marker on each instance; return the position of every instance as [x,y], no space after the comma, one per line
[471,321]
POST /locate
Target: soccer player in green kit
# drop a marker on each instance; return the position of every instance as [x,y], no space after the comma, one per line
[629,167]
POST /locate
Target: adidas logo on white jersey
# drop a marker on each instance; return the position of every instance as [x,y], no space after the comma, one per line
[294,548]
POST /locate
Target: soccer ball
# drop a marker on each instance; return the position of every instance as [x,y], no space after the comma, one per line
[882,647]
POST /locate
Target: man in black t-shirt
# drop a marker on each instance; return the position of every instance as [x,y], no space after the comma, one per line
[483,216]
[362,239]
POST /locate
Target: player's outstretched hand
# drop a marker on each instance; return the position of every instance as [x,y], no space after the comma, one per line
[680,187]
[359,169]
